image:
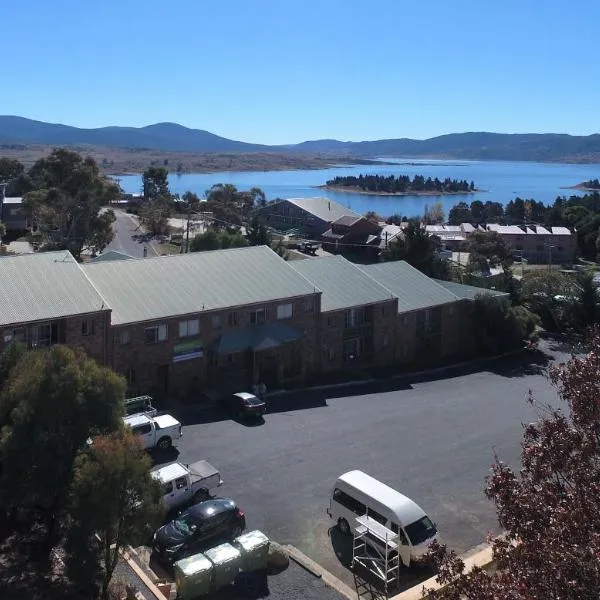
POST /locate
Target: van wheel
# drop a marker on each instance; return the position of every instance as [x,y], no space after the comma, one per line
[164,443]
[343,525]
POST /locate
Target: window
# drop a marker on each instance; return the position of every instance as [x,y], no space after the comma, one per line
[383,311]
[385,341]
[354,318]
[331,321]
[331,354]
[153,335]
[142,429]
[420,530]
[234,318]
[257,316]
[44,335]
[188,328]
[309,305]
[376,516]
[405,320]
[87,327]
[124,338]
[285,311]
[216,321]
[180,483]
[351,348]
[358,508]
[168,488]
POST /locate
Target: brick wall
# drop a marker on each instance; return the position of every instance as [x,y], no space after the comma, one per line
[151,368]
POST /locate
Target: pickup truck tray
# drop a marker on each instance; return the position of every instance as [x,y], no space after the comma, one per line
[203,469]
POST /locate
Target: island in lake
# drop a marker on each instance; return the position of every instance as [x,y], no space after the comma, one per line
[403,185]
[591,185]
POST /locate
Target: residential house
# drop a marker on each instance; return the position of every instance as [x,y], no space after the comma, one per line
[353,235]
[208,319]
[427,328]
[534,243]
[309,216]
[46,299]
[358,315]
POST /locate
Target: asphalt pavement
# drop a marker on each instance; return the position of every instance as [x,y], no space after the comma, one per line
[432,438]
[129,238]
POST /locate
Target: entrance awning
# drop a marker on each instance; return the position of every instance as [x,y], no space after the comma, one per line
[256,338]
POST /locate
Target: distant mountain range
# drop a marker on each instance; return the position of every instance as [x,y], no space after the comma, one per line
[172,137]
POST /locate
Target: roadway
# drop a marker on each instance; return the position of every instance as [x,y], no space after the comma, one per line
[129,238]
[433,439]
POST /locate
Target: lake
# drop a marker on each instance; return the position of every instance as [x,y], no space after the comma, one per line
[502,180]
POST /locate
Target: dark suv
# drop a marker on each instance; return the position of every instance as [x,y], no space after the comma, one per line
[198,528]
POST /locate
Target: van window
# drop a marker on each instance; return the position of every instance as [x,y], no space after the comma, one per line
[398,530]
[180,483]
[376,516]
[358,508]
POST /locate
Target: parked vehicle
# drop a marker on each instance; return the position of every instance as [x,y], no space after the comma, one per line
[356,494]
[182,483]
[155,432]
[244,404]
[200,527]
[308,248]
[140,405]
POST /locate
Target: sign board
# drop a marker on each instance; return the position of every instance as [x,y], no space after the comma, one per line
[188,350]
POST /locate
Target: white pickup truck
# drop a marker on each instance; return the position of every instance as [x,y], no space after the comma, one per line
[155,432]
[182,483]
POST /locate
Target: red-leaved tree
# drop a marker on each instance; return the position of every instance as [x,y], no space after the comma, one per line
[550,508]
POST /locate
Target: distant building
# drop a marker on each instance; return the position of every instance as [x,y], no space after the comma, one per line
[534,243]
[11,213]
[310,216]
[352,235]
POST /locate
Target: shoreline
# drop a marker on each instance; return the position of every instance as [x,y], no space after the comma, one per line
[579,187]
[351,190]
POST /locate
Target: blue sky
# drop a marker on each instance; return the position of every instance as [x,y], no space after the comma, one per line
[283,71]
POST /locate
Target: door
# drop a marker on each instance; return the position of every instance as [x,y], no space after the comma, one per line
[146,433]
[182,489]
[162,374]
[403,545]
[170,497]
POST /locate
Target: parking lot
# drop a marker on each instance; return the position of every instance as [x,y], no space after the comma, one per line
[433,439]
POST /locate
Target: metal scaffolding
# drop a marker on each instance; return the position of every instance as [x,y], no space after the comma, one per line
[375,548]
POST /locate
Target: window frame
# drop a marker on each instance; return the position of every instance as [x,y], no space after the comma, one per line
[124,334]
[87,327]
[255,318]
[158,329]
[285,311]
[216,321]
[185,327]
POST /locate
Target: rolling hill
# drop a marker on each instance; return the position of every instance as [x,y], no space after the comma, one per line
[172,137]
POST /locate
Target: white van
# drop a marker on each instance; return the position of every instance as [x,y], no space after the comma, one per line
[356,494]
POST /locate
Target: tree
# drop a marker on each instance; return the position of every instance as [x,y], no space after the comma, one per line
[258,234]
[2,231]
[154,215]
[549,507]
[488,249]
[461,213]
[67,201]
[434,214]
[231,207]
[417,248]
[498,327]
[587,298]
[214,239]
[51,403]
[114,497]
[372,216]
[155,183]
[9,359]
[10,169]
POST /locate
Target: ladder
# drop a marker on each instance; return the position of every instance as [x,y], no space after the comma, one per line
[375,548]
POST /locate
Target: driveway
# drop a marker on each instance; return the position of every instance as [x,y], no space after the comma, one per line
[432,439]
[129,237]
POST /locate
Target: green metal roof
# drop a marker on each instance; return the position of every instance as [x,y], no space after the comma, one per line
[44,286]
[164,286]
[414,290]
[343,284]
[469,292]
